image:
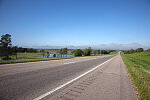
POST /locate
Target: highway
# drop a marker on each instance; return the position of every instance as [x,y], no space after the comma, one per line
[81,78]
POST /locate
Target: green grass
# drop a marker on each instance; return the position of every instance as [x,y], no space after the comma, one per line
[32,60]
[27,55]
[138,65]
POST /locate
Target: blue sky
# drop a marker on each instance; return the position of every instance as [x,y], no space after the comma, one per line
[75,22]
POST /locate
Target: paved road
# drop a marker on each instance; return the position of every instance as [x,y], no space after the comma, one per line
[108,82]
[27,81]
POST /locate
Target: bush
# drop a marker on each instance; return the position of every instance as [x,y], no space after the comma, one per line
[77,52]
[140,50]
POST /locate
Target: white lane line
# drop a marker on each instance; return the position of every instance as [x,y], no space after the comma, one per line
[69,62]
[61,86]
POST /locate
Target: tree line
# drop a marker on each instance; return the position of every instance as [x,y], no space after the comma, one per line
[88,51]
[26,50]
[133,50]
[61,52]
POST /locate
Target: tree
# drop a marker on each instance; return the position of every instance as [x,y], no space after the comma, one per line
[87,52]
[77,52]
[131,51]
[127,52]
[47,54]
[98,52]
[65,51]
[5,47]
[140,50]
[60,51]
[94,52]
[54,55]
[43,52]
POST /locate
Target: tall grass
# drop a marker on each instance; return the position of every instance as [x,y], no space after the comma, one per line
[138,65]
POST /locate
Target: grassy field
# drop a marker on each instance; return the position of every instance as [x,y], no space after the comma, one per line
[138,65]
[27,55]
[32,60]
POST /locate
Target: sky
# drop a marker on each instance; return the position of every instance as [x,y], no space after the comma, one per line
[41,23]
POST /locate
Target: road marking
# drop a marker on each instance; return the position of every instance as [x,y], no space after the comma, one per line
[69,63]
[61,86]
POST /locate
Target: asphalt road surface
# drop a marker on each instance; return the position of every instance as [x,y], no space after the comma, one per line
[107,79]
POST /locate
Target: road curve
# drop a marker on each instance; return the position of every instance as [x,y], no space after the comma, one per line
[26,81]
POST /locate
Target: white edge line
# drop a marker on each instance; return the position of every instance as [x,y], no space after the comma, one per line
[59,87]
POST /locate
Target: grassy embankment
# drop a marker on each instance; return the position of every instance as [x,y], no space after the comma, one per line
[138,65]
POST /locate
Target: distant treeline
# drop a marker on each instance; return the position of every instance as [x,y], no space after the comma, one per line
[134,50]
[27,50]
[88,52]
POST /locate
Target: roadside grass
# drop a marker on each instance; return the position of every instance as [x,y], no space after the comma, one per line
[26,55]
[32,60]
[138,65]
